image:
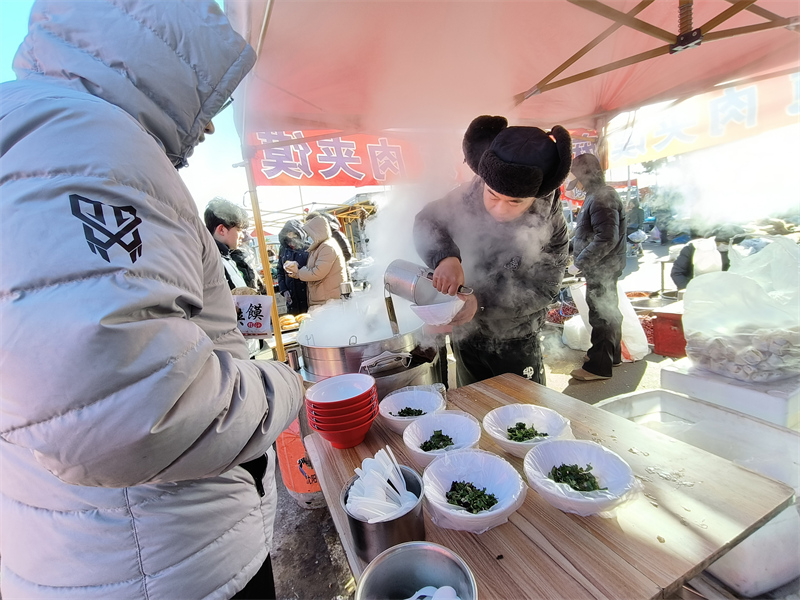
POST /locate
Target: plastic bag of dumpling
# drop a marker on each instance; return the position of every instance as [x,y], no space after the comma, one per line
[745,323]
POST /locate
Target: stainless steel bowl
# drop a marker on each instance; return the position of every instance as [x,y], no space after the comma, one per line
[398,572]
[370,539]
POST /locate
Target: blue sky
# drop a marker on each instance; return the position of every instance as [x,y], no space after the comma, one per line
[210,172]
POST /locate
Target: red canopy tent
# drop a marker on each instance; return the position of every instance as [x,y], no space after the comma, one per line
[378,65]
[421,70]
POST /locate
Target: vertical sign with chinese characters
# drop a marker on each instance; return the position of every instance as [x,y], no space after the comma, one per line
[316,158]
[709,120]
[252,314]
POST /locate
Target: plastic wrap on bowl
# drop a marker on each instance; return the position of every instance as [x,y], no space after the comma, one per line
[438,314]
[483,470]
[428,398]
[610,470]
[462,427]
[544,420]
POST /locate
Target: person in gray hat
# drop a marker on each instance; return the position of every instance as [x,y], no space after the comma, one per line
[504,235]
[599,250]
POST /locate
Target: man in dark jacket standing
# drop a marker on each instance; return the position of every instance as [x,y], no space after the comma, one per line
[293,248]
[599,250]
[503,234]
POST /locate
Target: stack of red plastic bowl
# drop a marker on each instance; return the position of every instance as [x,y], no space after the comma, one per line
[342,408]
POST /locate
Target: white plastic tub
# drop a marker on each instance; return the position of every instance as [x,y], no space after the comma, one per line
[770,557]
[777,402]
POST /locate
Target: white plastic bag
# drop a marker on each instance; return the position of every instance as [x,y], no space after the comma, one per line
[608,467]
[776,268]
[745,323]
[735,328]
[575,334]
[655,235]
[634,339]
[483,470]
[707,258]
[252,314]
[638,236]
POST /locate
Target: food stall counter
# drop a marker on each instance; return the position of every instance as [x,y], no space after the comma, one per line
[693,508]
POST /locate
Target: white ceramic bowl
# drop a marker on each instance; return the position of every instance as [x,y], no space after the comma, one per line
[497,421]
[438,314]
[462,427]
[428,401]
[483,470]
[610,470]
[341,388]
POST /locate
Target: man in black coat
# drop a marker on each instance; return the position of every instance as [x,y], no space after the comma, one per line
[599,250]
[504,235]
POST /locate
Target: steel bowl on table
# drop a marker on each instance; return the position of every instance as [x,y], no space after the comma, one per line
[402,570]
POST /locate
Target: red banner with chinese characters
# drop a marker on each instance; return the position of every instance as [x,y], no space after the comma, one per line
[329,158]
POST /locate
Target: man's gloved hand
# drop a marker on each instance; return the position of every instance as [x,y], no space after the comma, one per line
[573,270]
[288,297]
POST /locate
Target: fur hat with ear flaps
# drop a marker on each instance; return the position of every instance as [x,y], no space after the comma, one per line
[526,162]
[479,136]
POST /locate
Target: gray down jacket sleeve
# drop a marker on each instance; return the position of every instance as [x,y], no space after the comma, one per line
[122,363]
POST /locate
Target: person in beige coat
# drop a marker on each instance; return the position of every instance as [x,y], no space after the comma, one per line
[325,269]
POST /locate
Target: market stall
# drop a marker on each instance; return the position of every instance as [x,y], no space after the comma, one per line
[343,91]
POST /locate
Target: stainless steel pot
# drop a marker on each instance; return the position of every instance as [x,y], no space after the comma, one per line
[385,382]
[327,361]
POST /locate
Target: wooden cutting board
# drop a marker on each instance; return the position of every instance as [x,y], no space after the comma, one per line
[694,507]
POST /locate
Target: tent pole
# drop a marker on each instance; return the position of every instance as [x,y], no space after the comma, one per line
[262,250]
[601,127]
[251,188]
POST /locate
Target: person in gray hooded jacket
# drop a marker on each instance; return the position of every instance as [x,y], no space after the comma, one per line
[128,401]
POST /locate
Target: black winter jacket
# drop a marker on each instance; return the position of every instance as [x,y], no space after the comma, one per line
[515,268]
[298,290]
[251,280]
[683,269]
[599,242]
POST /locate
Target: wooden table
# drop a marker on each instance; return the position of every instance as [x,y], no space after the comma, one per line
[694,508]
